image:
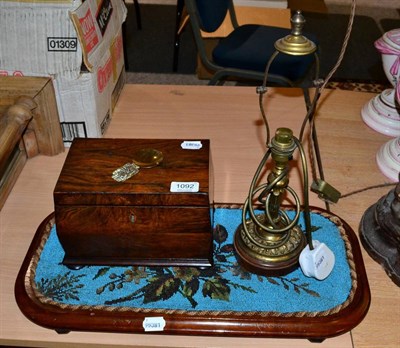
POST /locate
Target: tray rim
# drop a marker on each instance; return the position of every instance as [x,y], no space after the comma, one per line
[316,327]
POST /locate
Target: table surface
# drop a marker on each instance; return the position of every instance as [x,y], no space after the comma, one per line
[230,118]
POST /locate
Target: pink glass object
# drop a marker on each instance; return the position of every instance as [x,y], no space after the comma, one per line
[388,156]
[382,113]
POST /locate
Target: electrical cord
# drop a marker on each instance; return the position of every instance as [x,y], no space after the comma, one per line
[320,85]
[367,189]
[309,119]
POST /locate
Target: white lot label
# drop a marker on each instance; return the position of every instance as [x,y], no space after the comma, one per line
[183,186]
[191,145]
[153,324]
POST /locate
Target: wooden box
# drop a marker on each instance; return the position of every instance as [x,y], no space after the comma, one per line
[139,221]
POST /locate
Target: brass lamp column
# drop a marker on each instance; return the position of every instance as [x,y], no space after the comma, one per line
[270,243]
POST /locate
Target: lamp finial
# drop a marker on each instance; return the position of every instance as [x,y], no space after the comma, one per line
[296,44]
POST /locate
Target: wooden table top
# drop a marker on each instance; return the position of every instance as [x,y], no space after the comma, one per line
[230,118]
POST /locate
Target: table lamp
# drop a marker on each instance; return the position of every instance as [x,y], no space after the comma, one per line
[271,242]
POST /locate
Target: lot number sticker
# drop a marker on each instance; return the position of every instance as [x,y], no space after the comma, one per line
[153,324]
[183,186]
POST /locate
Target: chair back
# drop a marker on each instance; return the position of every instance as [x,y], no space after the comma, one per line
[211,13]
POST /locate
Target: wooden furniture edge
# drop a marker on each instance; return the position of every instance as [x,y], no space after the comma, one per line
[45,122]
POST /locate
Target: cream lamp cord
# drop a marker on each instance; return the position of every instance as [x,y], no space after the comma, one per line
[320,85]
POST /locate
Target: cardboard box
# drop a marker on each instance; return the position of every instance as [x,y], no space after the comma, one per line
[54,37]
[39,38]
[86,104]
[79,45]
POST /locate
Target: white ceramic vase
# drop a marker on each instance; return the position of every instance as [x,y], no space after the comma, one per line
[382,113]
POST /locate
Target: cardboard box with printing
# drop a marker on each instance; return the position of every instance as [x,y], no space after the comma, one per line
[78,44]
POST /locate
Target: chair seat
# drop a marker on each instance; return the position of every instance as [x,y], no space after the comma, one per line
[247,48]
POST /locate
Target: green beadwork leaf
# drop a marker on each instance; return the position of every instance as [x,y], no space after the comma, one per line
[217,289]
[135,274]
[190,288]
[186,273]
[100,290]
[63,286]
[272,280]
[315,228]
[160,288]
[162,283]
[101,272]
[312,292]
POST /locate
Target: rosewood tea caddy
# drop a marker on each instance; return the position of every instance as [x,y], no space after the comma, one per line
[159,214]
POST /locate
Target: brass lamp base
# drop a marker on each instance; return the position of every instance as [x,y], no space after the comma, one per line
[276,258]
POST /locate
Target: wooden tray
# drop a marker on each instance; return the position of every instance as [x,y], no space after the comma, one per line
[315,328]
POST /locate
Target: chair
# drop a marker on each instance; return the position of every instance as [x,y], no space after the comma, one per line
[124,30]
[180,23]
[244,53]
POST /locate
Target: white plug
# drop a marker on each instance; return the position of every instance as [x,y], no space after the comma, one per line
[317,263]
